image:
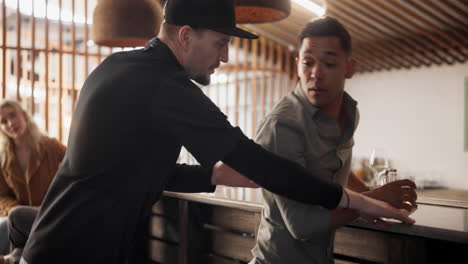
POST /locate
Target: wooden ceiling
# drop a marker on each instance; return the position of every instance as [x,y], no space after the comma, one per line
[389,34]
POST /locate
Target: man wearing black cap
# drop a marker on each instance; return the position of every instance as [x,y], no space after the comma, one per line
[134,113]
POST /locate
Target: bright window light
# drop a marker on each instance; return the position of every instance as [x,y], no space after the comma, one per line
[53,12]
[311,6]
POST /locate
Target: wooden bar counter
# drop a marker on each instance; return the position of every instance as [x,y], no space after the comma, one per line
[210,228]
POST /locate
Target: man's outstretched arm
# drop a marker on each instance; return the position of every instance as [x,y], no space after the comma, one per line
[225,175]
[268,170]
[195,178]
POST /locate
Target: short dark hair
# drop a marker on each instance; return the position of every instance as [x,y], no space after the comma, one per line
[327,27]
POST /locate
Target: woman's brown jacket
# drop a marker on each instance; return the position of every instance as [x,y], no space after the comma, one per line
[29,188]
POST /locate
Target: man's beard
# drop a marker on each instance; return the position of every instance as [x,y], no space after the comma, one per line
[202,79]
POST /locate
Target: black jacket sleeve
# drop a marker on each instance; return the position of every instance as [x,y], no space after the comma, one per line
[268,170]
[190,178]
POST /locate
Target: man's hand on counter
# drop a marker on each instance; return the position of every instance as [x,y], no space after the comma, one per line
[400,194]
[225,175]
[371,208]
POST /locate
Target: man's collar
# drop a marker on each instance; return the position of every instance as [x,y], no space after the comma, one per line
[156,44]
[312,109]
[349,104]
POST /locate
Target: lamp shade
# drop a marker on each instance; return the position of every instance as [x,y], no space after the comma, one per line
[262,11]
[126,23]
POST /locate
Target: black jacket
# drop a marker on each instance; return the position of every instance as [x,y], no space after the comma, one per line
[134,113]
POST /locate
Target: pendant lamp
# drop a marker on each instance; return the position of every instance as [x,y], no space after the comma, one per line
[261,11]
[126,23]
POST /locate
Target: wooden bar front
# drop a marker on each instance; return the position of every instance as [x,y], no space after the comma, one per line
[210,230]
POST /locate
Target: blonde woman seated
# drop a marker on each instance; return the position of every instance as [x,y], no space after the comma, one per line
[28,163]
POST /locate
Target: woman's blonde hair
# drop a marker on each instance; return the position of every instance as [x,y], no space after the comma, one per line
[33,135]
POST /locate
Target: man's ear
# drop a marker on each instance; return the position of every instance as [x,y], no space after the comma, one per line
[350,68]
[185,36]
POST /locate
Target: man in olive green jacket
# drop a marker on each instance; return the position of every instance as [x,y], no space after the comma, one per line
[314,127]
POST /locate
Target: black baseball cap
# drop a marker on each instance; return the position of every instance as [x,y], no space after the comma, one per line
[217,15]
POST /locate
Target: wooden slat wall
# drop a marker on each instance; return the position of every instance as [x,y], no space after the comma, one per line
[3,69]
[45,61]
[39,59]
[18,51]
[33,59]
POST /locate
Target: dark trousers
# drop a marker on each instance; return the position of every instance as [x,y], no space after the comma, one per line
[20,220]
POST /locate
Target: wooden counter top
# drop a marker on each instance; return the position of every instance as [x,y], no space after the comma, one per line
[442,222]
[446,197]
